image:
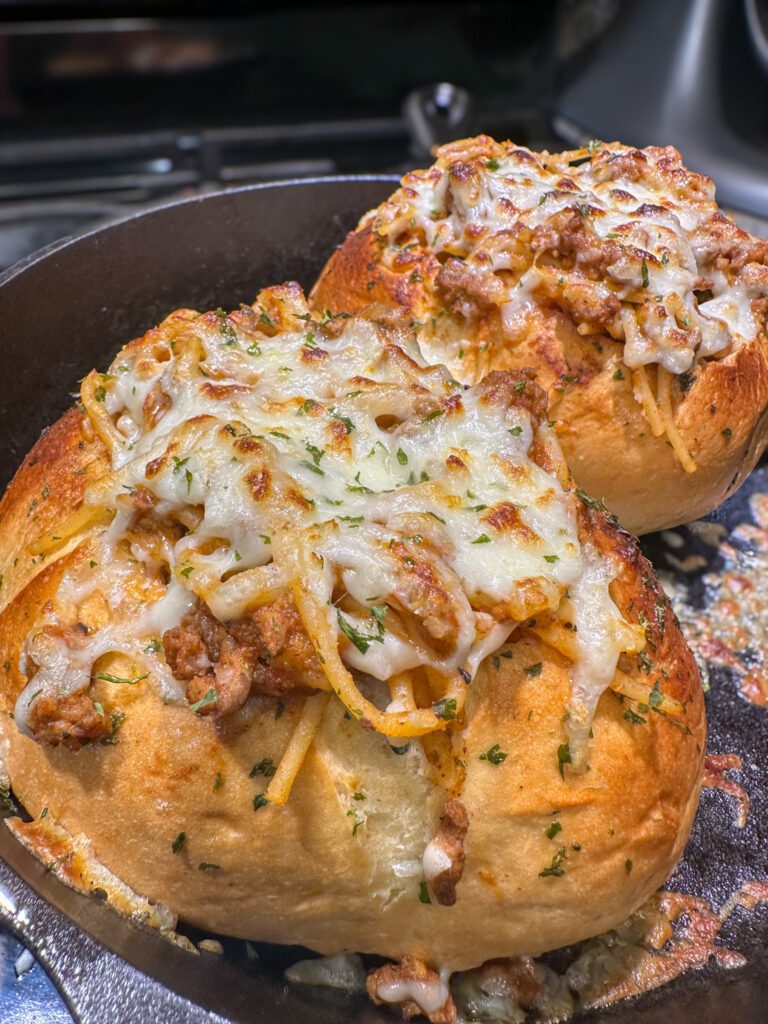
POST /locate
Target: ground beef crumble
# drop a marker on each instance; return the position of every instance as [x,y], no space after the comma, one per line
[267,652]
[408,970]
[70,720]
[450,838]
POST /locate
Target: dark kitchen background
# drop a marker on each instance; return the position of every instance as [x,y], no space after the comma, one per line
[105,107]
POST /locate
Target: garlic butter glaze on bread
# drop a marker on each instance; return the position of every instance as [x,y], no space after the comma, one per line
[611,272]
[317,646]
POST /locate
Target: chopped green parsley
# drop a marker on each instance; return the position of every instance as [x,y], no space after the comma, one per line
[563,758]
[555,868]
[494,755]
[209,698]
[445,708]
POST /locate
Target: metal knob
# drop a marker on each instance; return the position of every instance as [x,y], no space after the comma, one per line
[436,114]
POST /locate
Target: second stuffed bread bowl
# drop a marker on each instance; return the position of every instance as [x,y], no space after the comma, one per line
[611,272]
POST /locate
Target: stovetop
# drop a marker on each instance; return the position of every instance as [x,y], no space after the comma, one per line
[116,106]
[98,115]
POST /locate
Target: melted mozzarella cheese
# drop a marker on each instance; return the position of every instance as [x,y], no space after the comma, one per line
[435,861]
[596,619]
[429,996]
[485,203]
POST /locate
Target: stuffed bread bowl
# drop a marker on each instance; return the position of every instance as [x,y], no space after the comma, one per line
[317,646]
[611,272]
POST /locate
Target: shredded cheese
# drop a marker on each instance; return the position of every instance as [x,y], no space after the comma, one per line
[628,242]
[404,514]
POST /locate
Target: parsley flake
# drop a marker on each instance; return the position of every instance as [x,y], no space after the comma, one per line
[119,679]
[563,758]
[229,332]
[494,755]
[209,698]
[266,767]
[348,424]
[589,501]
[635,719]
[446,709]
[117,717]
[358,488]
[555,867]
[362,641]
[312,467]
[315,452]
[656,698]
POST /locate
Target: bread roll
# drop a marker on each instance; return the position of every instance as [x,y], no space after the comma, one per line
[316,646]
[611,272]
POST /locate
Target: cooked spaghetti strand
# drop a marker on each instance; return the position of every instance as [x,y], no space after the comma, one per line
[644,395]
[687,461]
[279,788]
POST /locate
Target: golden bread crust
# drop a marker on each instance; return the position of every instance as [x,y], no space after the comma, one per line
[49,484]
[297,874]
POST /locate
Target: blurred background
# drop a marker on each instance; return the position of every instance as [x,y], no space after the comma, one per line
[106,106]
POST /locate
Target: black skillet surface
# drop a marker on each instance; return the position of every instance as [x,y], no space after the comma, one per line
[67,309]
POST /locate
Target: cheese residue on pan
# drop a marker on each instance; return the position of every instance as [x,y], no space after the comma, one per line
[727,627]
[627,242]
[72,860]
[671,934]
[261,457]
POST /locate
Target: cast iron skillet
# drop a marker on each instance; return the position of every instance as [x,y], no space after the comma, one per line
[67,309]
